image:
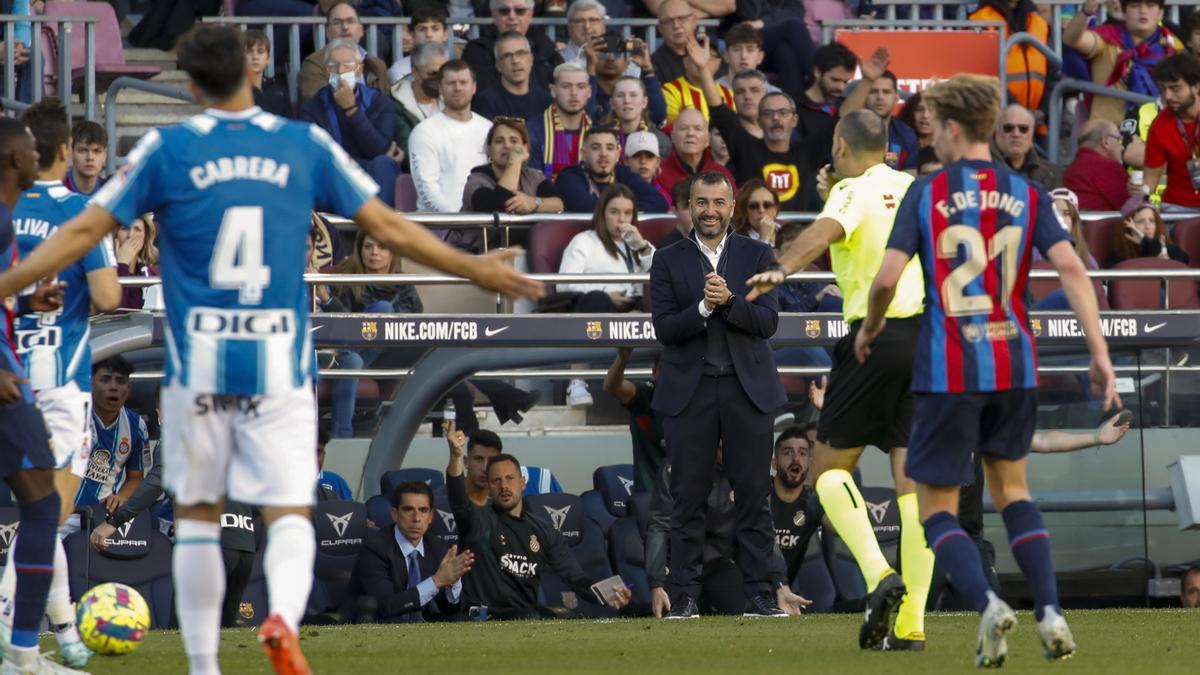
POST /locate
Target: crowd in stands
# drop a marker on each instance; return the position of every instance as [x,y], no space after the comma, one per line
[511,121]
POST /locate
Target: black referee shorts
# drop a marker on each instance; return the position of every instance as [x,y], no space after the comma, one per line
[871,403]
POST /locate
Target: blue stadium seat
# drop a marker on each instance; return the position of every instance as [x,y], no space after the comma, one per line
[341,531]
[627,551]
[564,512]
[814,582]
[379,511]
[594,508]
[615,485]
[6,498]
[848,581]
[539,481]
[389,480]
[10,517]
[139,556]
[443,528]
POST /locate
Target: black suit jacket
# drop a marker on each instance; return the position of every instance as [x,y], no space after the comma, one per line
[382,573]
[676,288]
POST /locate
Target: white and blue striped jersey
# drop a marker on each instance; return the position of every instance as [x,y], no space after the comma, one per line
[55,345]
[116,449]
[232,193]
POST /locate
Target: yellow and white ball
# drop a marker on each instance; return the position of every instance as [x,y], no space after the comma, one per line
[113,619]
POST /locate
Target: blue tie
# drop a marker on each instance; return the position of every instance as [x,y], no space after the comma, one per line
[414,569]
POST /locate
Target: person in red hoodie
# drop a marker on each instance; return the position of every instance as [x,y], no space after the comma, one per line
[1097,175]
[689,154]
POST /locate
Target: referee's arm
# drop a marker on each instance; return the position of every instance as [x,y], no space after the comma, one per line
[812,242]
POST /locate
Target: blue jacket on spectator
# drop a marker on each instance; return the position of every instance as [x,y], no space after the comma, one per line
[580,194]
[365,135]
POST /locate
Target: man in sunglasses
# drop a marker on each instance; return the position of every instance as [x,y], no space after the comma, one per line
[511,16]
[1012,142]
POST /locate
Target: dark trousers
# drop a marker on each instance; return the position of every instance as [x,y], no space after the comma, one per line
[789,54]
[238,566]
[719,412]
[721,588]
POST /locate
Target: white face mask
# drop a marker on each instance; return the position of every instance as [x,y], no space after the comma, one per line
[349,78]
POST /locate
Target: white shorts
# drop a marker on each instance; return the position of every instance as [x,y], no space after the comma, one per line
[68,415]
[260,450]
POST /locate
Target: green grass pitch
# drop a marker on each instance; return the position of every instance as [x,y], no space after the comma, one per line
[1111,641]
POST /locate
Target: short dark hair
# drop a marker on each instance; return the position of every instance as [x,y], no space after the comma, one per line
[214,57]
[600,130]
[322,435]
[255,37]
[889,75]
[1160,3]
[503,457]
[711,178]
[114,364]
[425,12]
[410,487]
[339,3]
[681,191]
[794,431]
[863,131]
[486,438]
[13,133]
[1181,66]
[454,66]
[742,34]
[87,132]
[1190,25]
[47,120]
[834,55]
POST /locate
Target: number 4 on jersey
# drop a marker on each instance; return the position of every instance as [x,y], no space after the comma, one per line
[237,262]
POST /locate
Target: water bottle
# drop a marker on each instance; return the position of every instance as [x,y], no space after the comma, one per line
[448,413]
[631,238]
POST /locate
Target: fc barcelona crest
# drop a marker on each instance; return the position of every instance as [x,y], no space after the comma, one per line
[812,328]
[595,329]
[370,330]
[1037,327]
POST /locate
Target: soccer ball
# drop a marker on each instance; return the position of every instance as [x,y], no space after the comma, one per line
[113,619]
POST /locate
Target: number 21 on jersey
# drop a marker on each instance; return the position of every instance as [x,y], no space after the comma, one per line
[237,261]
[1005,244]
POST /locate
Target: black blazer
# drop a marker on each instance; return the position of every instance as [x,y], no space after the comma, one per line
[676,288]
[382,573]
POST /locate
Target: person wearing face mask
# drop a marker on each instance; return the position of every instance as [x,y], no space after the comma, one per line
[359,118]
[417,95]
[342,23]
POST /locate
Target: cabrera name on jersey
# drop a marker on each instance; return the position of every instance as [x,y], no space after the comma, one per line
[974,224]
[55,345]
[233,193]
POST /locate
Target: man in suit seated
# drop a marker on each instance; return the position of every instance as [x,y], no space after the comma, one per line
[402,571]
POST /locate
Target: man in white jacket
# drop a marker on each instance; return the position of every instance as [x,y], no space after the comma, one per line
[445,147]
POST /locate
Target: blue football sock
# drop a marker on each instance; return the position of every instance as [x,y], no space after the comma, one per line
[957,554]
[1030,543]
[33,559]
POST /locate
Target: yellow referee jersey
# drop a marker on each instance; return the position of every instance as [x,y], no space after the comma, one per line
[866,208]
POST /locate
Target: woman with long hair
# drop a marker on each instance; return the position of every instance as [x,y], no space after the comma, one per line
[918,116]
[1066,207]
[1143,235]
[613,245]
[630,113]
[137,256]
[755,211]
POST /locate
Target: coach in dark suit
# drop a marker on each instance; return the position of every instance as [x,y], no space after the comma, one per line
[410,577]
[717,384]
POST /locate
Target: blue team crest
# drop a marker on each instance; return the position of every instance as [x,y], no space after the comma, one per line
[123,447]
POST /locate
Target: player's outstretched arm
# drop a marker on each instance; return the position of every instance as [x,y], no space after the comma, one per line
[402,236]
[1108,433]
[883,289]
[1078,287]
[804,249]
[70,243]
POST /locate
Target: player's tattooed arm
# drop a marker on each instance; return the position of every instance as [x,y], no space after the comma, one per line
[70,243]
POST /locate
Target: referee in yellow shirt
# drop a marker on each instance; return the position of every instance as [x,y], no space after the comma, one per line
[869,403]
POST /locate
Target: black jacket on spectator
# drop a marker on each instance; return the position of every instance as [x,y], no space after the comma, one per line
[720,522]
[748,156]
[1150,248]
[509,554]
[480,54]
[403,298]
[668,66]
[497,101]
[580,194]
[795,525]
[381,572]
[365,135]
[815,125]
[274,98]
[482,194]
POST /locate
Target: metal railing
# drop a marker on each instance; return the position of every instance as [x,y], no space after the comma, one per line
[112,108]
[1055,104]
[63,26]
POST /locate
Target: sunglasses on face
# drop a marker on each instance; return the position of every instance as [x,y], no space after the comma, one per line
[1009,128]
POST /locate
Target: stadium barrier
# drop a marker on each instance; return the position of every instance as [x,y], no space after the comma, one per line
[112,107]
[62,27]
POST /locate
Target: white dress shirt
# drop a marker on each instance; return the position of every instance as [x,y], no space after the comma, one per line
[426,588]
[714,257]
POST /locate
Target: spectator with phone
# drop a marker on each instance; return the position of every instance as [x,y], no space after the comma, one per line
[608,60]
